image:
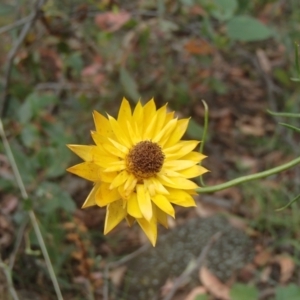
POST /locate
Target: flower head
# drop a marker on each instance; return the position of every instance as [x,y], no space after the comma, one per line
[139,166]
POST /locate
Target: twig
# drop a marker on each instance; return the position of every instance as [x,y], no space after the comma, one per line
[14,50]
[31,213]
[118,263]
[16,24]
[199,262]
[7,273]
[12,257]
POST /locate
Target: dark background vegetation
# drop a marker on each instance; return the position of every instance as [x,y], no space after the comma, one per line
[79,56]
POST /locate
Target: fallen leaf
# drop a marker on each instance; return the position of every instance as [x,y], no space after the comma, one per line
[213,284]
[111,21]
[262,258]
[287,267]
[200,290]
[117,275]
[198,46]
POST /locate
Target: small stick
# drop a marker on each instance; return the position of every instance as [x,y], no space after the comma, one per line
[199,262]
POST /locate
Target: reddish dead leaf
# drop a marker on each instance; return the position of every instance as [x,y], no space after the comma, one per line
[93,72]
[213,284]
[197,10]
[111,21]
[200,290]
[198,46]
[287,267]
[9,203]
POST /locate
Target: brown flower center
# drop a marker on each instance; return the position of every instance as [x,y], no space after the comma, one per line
[145,159]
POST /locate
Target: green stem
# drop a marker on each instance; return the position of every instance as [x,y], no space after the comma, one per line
[30,212]
[243,179]
[205,128]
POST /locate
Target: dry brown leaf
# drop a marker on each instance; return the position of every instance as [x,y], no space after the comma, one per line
[264,61]
[200,290]
[262,258]
[9,204]
[214,285]
[198,46]
[287,267]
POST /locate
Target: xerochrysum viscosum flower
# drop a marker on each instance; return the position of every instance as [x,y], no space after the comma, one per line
[139,166]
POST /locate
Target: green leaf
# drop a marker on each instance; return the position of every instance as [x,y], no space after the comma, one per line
[53,197]
[290,292]
[224,9]
[247,29]
[6,9]
[29,135]
[242,291]
[129,85]
[33,105]
[194,130]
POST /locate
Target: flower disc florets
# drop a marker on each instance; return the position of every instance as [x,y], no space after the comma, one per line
[145,159]
[140,166]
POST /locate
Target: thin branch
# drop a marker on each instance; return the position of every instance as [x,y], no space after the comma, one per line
[7,273]
[239,180]
[30,212]
[14,50]
[198,264]
[16,24]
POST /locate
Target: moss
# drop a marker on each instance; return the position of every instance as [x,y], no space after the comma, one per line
[147,273]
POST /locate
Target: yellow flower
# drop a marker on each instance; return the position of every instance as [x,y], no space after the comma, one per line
[139,166]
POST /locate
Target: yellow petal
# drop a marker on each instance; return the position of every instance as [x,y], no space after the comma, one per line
[169,117]
[119,146]
[150,229]
[119,180]
[113,150]
[162,135]
[176,165]
[163,203]
[182,198]
[177,182]
[116,166]
[144,202]
[180,149]
[193,171]
[91,200]
[130,184]
[115,213]
[138,115]
[120,134]
[133,208]
[149,112]
[194,156]
[87,170]
[124,113]
[159,188]
[178,132]
[108,177]
[161,116]
[149,129]
[162,217]
[102,125]
[105,196]
[82,151]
